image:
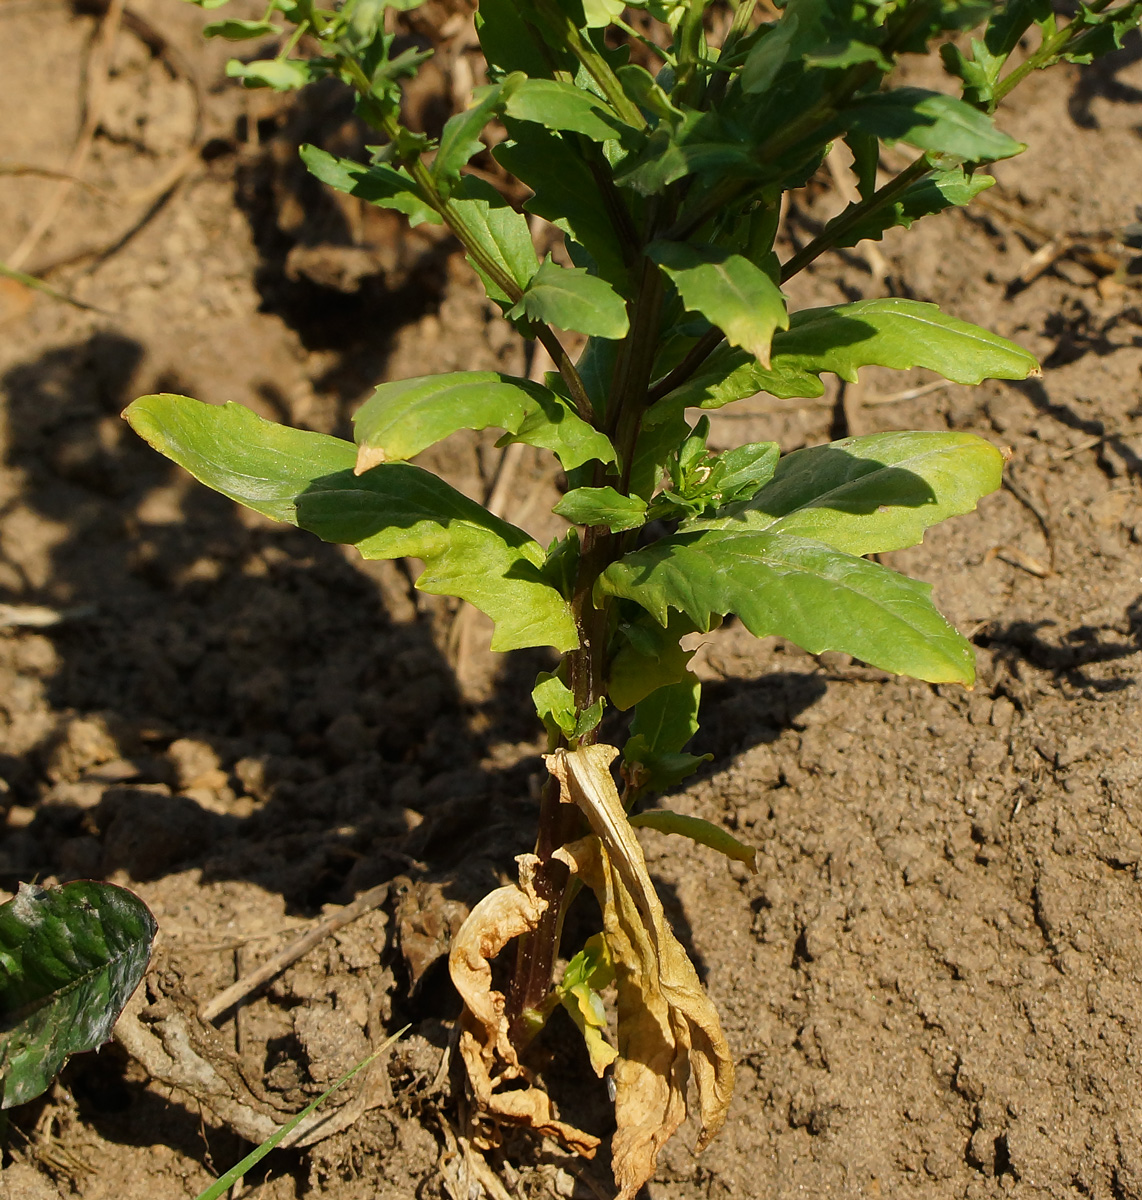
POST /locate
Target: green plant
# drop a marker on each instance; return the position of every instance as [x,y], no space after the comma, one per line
[70,957]
[667,185]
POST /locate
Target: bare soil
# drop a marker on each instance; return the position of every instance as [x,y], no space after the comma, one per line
[934,984]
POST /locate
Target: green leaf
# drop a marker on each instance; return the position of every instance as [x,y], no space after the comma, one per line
[393,511]
[668,717]
[261,464]
[554,704]
[800,589]
[887,333]
[209,4]
[460,138]
[560,105]
[586,975]
[602,506]
[640,86]
[234,30]
[377,184]
[653,757]
[502,232]
[405,417]
[70,958]
[1010,23]
[942,190]
[705,833]
[400,511]
[510,43]
[739,472]
[648,657]
[837,56]
[769,54]
[931,121]
[566,194]
[872,494]
[701,144]
[570,298]
[281,74]
[728,290]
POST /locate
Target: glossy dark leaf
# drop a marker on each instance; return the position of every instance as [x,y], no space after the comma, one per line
[70,957]
[931,121]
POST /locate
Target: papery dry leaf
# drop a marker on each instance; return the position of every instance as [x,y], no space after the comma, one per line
[667,1025]
[485,1045]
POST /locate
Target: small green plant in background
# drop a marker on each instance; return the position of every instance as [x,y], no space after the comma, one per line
[666,180]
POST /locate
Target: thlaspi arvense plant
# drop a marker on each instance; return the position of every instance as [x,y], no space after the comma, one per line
[662,153]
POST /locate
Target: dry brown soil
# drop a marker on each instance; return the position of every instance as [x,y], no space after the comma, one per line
[933,986]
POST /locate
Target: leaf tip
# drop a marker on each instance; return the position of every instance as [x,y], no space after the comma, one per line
[367,458]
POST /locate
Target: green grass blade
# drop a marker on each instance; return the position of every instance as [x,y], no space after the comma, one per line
[224,1182]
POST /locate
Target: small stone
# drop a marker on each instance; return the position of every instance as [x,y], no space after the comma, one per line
[981,1151]
[85,742]
[196,765]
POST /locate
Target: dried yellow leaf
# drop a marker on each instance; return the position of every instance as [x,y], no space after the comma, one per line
[667,1026]
[485,1046]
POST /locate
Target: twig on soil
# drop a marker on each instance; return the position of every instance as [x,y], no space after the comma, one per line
[248,984]
[39,616]
[167,1053]
[1023,496]
[98,64]
[908,394]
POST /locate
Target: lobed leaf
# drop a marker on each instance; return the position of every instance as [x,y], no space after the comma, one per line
[843,338]
[728,290]
[405,417]
[817,597]
[872,494]
[70,958]
[391,511]
[559,105]
[378,184]
[940,191]
[570,298]
[460,138]
[566,194]
[280,74]
[602,506]
[932,121]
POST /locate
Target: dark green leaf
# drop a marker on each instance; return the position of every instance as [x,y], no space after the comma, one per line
[460,138]
[392,511]
[846,54]
[556,104]
[406,416]
[728,290]
[281,74]
[234,30]
[1011,22]
[941,190]
[640,86]
[70,957]
[872,494]
[931,121]
[570,298]
[653,757]
[888,333]
[566,194]
[701,144]
[602,506]
[648,657]
[817,597]
[510,42]
[378,184]
[770,53]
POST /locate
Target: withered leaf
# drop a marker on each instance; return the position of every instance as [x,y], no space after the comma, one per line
[667,1026]
[485,1046]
